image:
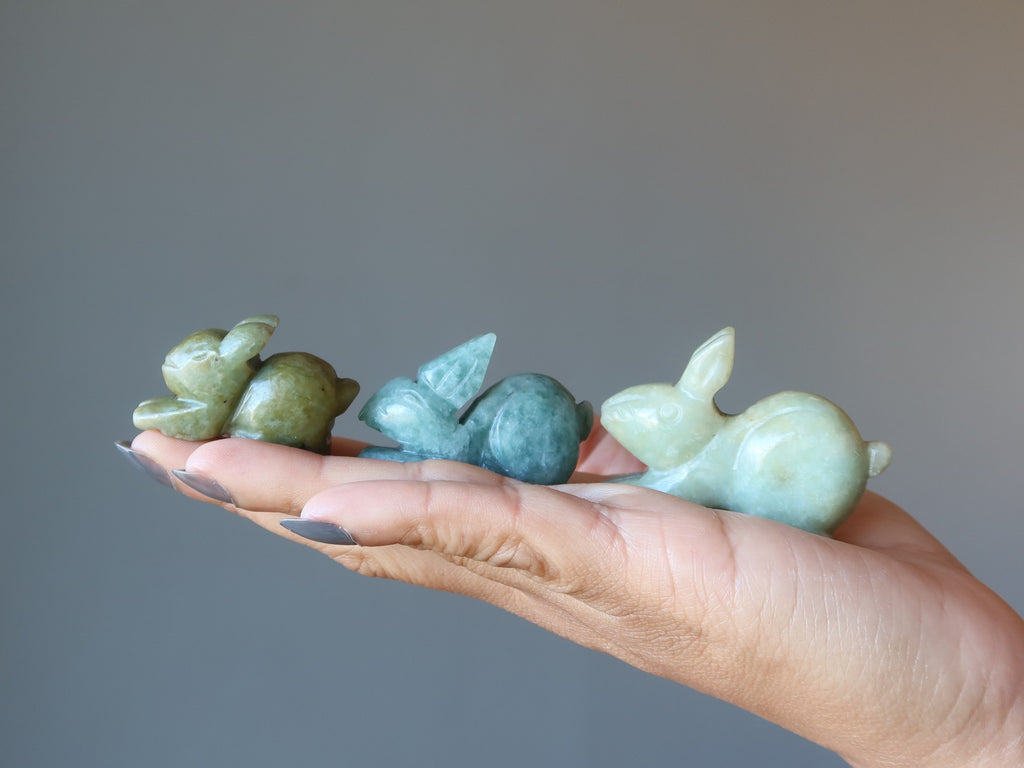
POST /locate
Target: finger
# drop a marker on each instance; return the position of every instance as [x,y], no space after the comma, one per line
[233,461]
[157,445]
[159,455]
[269,477]
[168,451]
[171,454]
[505,524]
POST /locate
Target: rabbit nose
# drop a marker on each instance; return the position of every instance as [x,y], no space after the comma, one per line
[367,410]
[615,416]
[616,410]
[620,405]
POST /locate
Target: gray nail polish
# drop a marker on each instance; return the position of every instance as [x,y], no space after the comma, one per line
[317,530]
[143,463]
[204,485]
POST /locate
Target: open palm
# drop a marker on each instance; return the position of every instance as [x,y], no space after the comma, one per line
[876,643]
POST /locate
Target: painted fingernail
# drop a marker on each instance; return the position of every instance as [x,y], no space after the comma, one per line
[317,530]
[204,485]
[143,463]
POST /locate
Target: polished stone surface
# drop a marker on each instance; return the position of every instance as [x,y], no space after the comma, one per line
[526,426]
[221,387]
[792,457]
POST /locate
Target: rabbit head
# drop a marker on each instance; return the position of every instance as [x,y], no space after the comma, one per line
[207,372]
[420,414]
[399,408]
[647,420]
[213,364]
[666,425]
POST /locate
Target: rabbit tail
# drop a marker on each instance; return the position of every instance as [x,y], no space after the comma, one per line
[879,457]
[585,417]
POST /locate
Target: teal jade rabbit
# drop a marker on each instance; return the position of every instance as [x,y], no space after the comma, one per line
[792,457]
[528,426]
[221,387]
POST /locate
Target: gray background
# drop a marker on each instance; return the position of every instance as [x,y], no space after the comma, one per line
[603,185]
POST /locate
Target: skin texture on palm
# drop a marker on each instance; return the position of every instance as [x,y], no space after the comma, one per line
[877,643]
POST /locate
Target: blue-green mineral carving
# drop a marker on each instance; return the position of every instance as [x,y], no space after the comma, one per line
[221,387]
[528,426]
[793,457]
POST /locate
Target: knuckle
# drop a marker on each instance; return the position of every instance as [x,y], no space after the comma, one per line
[509,547]
[504,544]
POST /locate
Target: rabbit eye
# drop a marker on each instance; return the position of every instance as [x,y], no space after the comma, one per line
[414,398]
[668,412]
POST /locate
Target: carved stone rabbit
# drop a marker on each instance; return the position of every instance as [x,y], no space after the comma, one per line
[221,387]
[527,426]
[793,457]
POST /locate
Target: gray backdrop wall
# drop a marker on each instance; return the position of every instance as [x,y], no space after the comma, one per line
[603,185]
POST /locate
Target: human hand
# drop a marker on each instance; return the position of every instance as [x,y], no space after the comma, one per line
[876,643]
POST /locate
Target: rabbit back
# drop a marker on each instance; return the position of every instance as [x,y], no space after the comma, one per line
[292,400]
[798,459]
[528,427]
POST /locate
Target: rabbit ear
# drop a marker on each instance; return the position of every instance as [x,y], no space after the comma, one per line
[248,337]
[710,366]
[345,391]
[458,374]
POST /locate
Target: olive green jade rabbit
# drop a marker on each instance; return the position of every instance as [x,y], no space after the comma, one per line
[792,457]
[221,387]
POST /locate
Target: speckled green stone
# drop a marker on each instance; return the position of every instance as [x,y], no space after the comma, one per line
[221,387]
[526,426]
[292,400]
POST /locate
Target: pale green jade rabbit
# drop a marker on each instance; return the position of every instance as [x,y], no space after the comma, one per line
[793,457]
[221,387]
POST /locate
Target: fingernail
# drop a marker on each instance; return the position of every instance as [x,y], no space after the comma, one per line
[317,530]
[143,463]
[204,485]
